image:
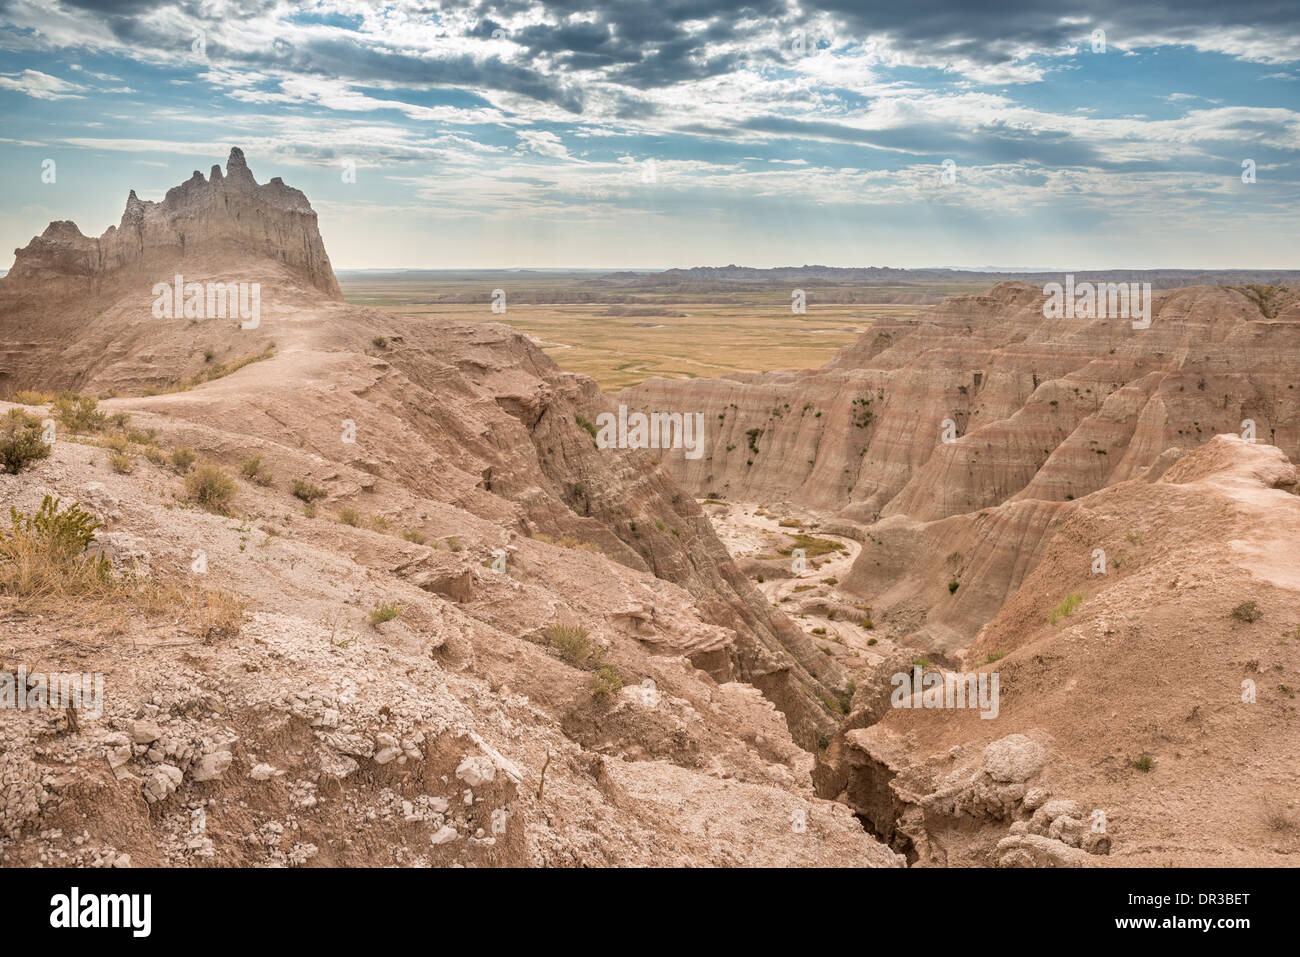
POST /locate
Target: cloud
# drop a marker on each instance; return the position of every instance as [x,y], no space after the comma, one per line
[40,85]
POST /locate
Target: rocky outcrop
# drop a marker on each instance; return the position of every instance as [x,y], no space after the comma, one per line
[228,213]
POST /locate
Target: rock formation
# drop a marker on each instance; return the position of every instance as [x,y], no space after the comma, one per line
[436,469]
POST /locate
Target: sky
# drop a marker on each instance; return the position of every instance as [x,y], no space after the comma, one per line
[674,133]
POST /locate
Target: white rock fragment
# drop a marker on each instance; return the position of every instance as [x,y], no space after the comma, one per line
[211,766]
[476,770]
[444,835]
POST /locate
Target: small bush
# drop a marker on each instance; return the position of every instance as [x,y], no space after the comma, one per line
[380,342]
[953,586]
[307,491]
[79,413]
[254,470]
[350,516]
[210,488]
[573,644]
[183,458]
[28,397]
[1143,764]
[411,535]
[385,612]
[1247,611]
[606,682]
[120,461]
[586,424]
[43,555]
[1067,607]
[21,442]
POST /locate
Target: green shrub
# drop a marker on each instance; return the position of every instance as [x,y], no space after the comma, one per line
[28,397]
[1247,611]
[411,535]
[1143,764]
[350,516]
[21,442]
[183,458]
[254,470]
[573,644]
[210,488]
[606,682]
[953,586]
[307,491]
[43,555]
[79,413]
[385,612]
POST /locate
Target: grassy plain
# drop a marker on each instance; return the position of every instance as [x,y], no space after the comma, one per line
[627,335]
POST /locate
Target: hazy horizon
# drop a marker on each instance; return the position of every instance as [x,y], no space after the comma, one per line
[448,136]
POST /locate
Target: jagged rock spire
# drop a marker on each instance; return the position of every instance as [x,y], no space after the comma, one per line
[237,171]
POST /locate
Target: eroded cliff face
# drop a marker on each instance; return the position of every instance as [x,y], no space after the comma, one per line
[451,479]
[1040,408]
[946,444]
[225,213]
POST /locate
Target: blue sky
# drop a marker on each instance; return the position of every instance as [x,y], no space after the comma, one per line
[688,132]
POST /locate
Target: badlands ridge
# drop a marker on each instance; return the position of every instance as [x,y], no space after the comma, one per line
[604,657]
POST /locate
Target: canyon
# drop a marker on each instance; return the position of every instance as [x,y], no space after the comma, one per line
[463,632]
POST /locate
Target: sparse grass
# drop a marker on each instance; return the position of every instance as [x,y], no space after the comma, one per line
[45,566]
[454,543]
[568,541]
[813,547]
[21,441]
[1145,764]
[991,657]
[214,615]
[209,487]
[385,612]
[120,461]
[306,491]
[255,470]
[350,516]
[1067,607]
[379,523]
[28,397]
[585,423]
[213,372]
[183,459]
[1247,611]
[412,535]
[43,555]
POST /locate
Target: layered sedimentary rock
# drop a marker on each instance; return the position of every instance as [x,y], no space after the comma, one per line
[225,213]
[913,434]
